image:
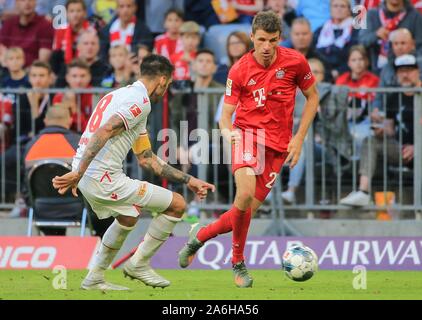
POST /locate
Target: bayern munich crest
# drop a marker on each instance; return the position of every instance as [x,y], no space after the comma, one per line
[280,74]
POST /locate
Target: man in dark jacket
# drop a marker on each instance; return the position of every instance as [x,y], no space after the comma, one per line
[381,22]
[56,133]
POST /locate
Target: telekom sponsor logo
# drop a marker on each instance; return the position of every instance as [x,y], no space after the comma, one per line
[399,253]
[46,252]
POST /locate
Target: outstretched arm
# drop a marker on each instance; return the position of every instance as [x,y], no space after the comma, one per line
[113,127]
[149,161]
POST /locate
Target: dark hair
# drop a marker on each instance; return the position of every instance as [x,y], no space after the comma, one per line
[268,21]
[176,11]
[206,51]
[81,2]
[78,63]
[41,64]
[155,65]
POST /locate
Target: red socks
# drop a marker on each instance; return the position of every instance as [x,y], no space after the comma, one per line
[240,222]
[221,225]
[234,220]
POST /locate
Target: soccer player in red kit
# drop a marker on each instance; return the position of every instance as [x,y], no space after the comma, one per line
[261,88]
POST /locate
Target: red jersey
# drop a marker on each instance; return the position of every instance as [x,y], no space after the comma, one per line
[181,67]
[368,80]
[79,122]
[265,97]
[165,46]
[65,39]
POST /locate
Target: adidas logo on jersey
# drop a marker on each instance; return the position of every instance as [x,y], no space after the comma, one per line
[251,82]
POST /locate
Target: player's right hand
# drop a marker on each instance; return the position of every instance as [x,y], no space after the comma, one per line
[69,180]
[200,188]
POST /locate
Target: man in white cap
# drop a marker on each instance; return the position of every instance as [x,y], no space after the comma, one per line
[408,76]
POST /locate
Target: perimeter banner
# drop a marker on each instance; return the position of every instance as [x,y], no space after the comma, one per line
[334,253]
[47,252]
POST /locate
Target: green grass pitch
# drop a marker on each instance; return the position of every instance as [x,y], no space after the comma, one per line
[217,285]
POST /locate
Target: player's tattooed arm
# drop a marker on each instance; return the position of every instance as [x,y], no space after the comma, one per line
[149,161]
[113,127]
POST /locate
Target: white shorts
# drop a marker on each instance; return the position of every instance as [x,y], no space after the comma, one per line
[121,195]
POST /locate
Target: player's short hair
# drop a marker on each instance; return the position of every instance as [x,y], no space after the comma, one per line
[206,51]
[176,11]
[41,64]
[81,2]
[268,21]
[78,63]
[155,65]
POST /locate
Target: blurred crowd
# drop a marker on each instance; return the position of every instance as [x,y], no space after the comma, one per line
[101,43]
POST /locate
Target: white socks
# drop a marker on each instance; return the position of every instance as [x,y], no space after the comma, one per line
[111,243]
[158,232]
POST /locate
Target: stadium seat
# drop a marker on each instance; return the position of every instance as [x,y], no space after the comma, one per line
[216,36]
[48,208]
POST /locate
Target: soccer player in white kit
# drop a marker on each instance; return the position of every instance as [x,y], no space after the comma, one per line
[118,124]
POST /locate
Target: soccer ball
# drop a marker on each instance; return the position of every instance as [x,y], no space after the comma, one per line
[300,263]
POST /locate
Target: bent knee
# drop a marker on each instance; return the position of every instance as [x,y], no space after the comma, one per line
[178,206]
[245,196]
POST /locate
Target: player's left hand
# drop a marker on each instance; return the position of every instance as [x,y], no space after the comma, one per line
[294,149]
[200,188]
[69,180]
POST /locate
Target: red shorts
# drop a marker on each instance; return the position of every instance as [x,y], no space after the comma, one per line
[265,162]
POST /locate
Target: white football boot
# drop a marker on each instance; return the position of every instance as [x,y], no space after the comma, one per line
[100,284]
[144,274]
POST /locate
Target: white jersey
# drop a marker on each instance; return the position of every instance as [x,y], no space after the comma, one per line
[130,103]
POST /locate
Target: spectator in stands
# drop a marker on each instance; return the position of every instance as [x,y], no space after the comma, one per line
[336,36]
[397,120]
[36,103]
[203,67]
[29,111]
[280,7]
[121,74]
[88,49]
[126,30]
[66,38]
[238,43]
[247,9]
[56,133]
[170,43]
[78,76]
[317,12]
[33,33]
[200,11]
[155,13]
[359,77]
[402,42]
[17,78]
[301,37]
[190,35]
[136,59]
[296,174]
[391,15]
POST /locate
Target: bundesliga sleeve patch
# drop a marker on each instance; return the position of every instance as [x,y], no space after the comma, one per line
[135,110]
[229,87]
